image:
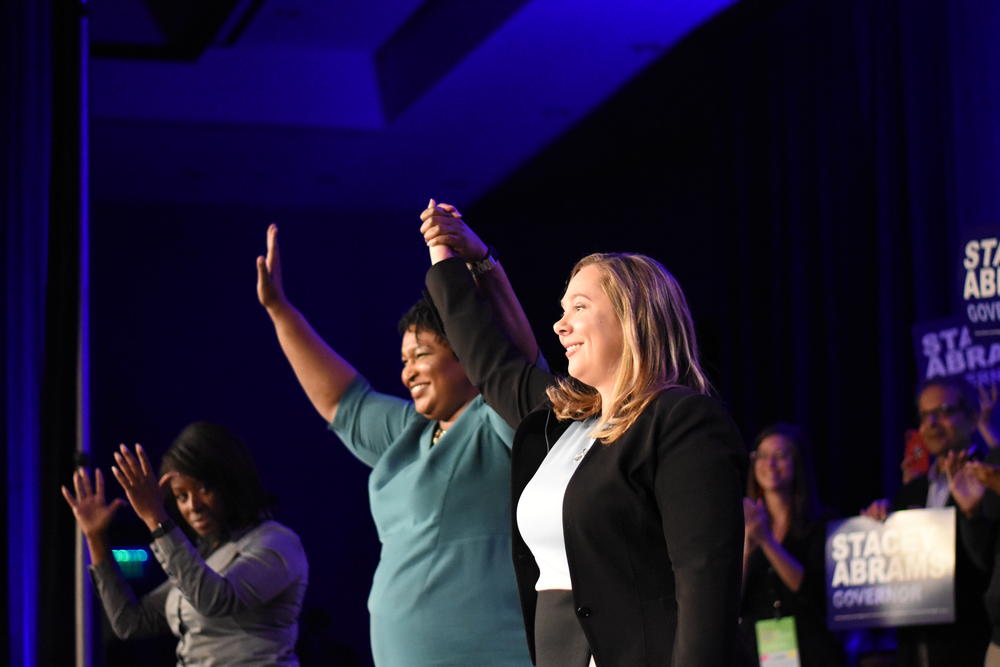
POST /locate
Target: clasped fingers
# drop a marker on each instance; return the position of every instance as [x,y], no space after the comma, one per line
[443,228]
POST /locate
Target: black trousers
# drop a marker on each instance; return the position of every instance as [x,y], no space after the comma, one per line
[559,639]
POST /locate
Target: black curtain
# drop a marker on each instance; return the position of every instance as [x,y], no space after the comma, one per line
[26,94]
[789,163]
[63,386]
[42,185]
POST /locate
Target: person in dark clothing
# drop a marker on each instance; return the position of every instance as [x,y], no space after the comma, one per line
[235,578]
[783,567]
[948,413]
[975,486]
[627,477]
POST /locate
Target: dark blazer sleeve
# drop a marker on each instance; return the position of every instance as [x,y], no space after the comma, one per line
[978,536]
[511,384]
[699,489]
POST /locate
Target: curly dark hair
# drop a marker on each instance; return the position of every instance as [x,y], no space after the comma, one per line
[216,457]
[422,316]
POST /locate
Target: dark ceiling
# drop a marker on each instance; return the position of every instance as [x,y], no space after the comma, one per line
[353,104]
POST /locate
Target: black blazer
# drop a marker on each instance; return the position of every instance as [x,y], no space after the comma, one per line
[653,523]
[962,643]
[981,539]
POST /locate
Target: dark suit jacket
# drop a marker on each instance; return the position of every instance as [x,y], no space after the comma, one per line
[954,644]
[653,524]
[981,539]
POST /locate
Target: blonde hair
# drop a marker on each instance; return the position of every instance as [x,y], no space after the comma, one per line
[659,350]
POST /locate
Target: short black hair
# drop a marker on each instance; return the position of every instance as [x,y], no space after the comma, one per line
[422,316]
[968,398]
[218,458]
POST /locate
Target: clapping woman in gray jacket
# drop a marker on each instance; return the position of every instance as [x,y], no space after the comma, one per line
[234,594]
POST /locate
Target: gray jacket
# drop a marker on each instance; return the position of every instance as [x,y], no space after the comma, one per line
[239,606]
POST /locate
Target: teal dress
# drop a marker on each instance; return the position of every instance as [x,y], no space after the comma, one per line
[444,592]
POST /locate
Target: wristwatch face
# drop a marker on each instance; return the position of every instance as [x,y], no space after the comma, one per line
[163,528]
[483,265]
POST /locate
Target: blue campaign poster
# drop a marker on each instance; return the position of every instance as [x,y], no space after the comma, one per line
[953,347]
[979,267]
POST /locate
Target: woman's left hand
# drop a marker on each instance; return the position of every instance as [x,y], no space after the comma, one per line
[143,490]
[756,521]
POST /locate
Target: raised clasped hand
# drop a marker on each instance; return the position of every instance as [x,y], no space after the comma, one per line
[442,225]
[269,288]
[92,513]
[144,491]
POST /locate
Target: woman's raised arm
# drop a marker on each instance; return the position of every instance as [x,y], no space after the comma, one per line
[447,235]
[129,617]
[322,373]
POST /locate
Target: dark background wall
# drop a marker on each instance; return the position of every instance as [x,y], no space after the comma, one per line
[180,336]
[805,169]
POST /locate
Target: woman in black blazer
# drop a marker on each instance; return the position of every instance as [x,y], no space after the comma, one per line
[651,518]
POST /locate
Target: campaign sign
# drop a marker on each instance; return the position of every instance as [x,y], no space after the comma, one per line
[980,271]
[897,572]
[952,347]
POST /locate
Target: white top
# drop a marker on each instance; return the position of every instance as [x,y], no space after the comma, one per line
[937,488]
[540,508]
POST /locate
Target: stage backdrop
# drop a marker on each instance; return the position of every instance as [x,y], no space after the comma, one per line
[805,168]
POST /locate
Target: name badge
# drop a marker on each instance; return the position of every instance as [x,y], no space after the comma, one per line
[776,642]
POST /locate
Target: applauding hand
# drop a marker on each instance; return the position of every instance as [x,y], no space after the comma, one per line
[756,522]
[962,483]
[878,510]
[988,475]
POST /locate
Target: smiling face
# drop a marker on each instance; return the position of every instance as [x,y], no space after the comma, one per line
[200,507]
[433,376]
[590,331]
[944,423]
[774,463]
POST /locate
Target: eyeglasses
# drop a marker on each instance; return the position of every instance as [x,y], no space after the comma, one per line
[940,412]
[778,457]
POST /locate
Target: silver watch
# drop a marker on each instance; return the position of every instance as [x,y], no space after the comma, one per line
[485,265]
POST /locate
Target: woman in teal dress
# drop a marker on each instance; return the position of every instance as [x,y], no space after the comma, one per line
[443,592]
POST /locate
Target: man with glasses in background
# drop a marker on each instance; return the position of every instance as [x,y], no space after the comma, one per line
[948,410]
